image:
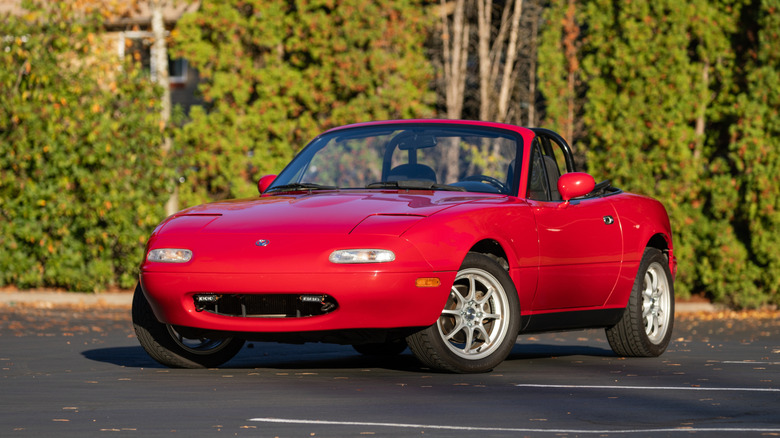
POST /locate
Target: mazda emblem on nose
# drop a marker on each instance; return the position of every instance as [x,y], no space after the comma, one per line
[262,242]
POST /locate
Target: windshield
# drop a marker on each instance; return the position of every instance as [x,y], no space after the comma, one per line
[406,156]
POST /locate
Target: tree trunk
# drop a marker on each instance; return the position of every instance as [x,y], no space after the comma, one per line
[494,58]
[507,81]
[532,74]
[484,28]
[571,34]
[456,43]
[160,74]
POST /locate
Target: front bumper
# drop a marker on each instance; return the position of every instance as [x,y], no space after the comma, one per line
[366,300]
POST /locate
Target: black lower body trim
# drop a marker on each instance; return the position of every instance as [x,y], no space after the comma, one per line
[573,320]
[344,337]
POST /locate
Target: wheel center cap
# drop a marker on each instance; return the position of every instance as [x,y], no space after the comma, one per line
[471,313]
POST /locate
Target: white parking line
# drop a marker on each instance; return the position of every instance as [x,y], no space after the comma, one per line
[663,388]
[506,429]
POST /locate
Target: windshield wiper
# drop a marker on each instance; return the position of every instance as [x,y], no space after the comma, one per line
[413,185]
[300,186]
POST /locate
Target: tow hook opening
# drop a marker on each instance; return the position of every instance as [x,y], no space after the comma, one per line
[204,300]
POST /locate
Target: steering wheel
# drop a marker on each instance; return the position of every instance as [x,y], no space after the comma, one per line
[600,187]
[502,188]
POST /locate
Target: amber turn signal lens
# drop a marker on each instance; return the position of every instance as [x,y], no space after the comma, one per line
[427,282]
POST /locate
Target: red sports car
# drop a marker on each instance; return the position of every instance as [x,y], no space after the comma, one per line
[449,237]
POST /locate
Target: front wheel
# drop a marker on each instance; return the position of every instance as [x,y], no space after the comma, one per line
[646,325]
[479,324]
[167,345]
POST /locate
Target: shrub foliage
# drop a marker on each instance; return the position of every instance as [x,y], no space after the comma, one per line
[82,178]
[680,102]
[276,73]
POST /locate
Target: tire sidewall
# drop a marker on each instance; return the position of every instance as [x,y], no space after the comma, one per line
[450,361]
[157,341]
[652,255]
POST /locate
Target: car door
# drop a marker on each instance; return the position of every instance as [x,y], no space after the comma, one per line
[580,242]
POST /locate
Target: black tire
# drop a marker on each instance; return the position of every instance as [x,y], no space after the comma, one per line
[382,349]
[479,324]
[166,345]
[645,328]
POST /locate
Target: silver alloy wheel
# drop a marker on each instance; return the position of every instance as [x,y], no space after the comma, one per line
[656,303]
[197,346]
[475,319]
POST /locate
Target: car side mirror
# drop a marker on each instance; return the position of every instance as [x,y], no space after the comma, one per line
[575,184]
[265,182]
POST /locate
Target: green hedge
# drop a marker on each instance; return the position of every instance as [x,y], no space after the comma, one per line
[82,178]
[277,73]
[679,101]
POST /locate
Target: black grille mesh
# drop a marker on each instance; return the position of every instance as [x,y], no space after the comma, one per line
[266,305]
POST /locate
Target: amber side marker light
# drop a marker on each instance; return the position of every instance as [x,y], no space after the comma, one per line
[427,282]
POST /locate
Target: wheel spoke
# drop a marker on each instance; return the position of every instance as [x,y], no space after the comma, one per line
[655,324]
[469,339]
[653,281]
[660,319]
[487,296]
[455,293]
[475,319]
[647,293]
[461,326]
[472,288]
[491,316]
[484,333]
[655,303]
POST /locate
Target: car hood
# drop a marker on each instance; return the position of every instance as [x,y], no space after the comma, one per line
[321,212]
[297,233]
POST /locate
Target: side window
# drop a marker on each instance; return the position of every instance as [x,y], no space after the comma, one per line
[548,163]
[557,153]
[538,188]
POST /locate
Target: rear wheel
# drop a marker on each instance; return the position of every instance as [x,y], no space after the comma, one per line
[479,324]
[167,345]
[646,326]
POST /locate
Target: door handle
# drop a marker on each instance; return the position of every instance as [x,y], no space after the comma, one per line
[609,220]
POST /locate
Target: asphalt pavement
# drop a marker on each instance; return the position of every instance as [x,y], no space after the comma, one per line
[78,371]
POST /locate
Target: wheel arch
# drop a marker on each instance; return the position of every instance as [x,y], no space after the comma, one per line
[662,242]
[493,249]
[524,280]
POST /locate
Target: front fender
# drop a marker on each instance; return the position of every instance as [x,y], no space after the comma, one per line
[445,238]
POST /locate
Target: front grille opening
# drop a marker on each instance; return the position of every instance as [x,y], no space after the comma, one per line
[265,305]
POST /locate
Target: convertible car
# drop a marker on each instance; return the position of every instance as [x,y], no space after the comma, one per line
[449,237]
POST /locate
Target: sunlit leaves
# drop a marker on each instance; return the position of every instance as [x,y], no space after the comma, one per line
[277,73]
[82,181]
[682,104]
